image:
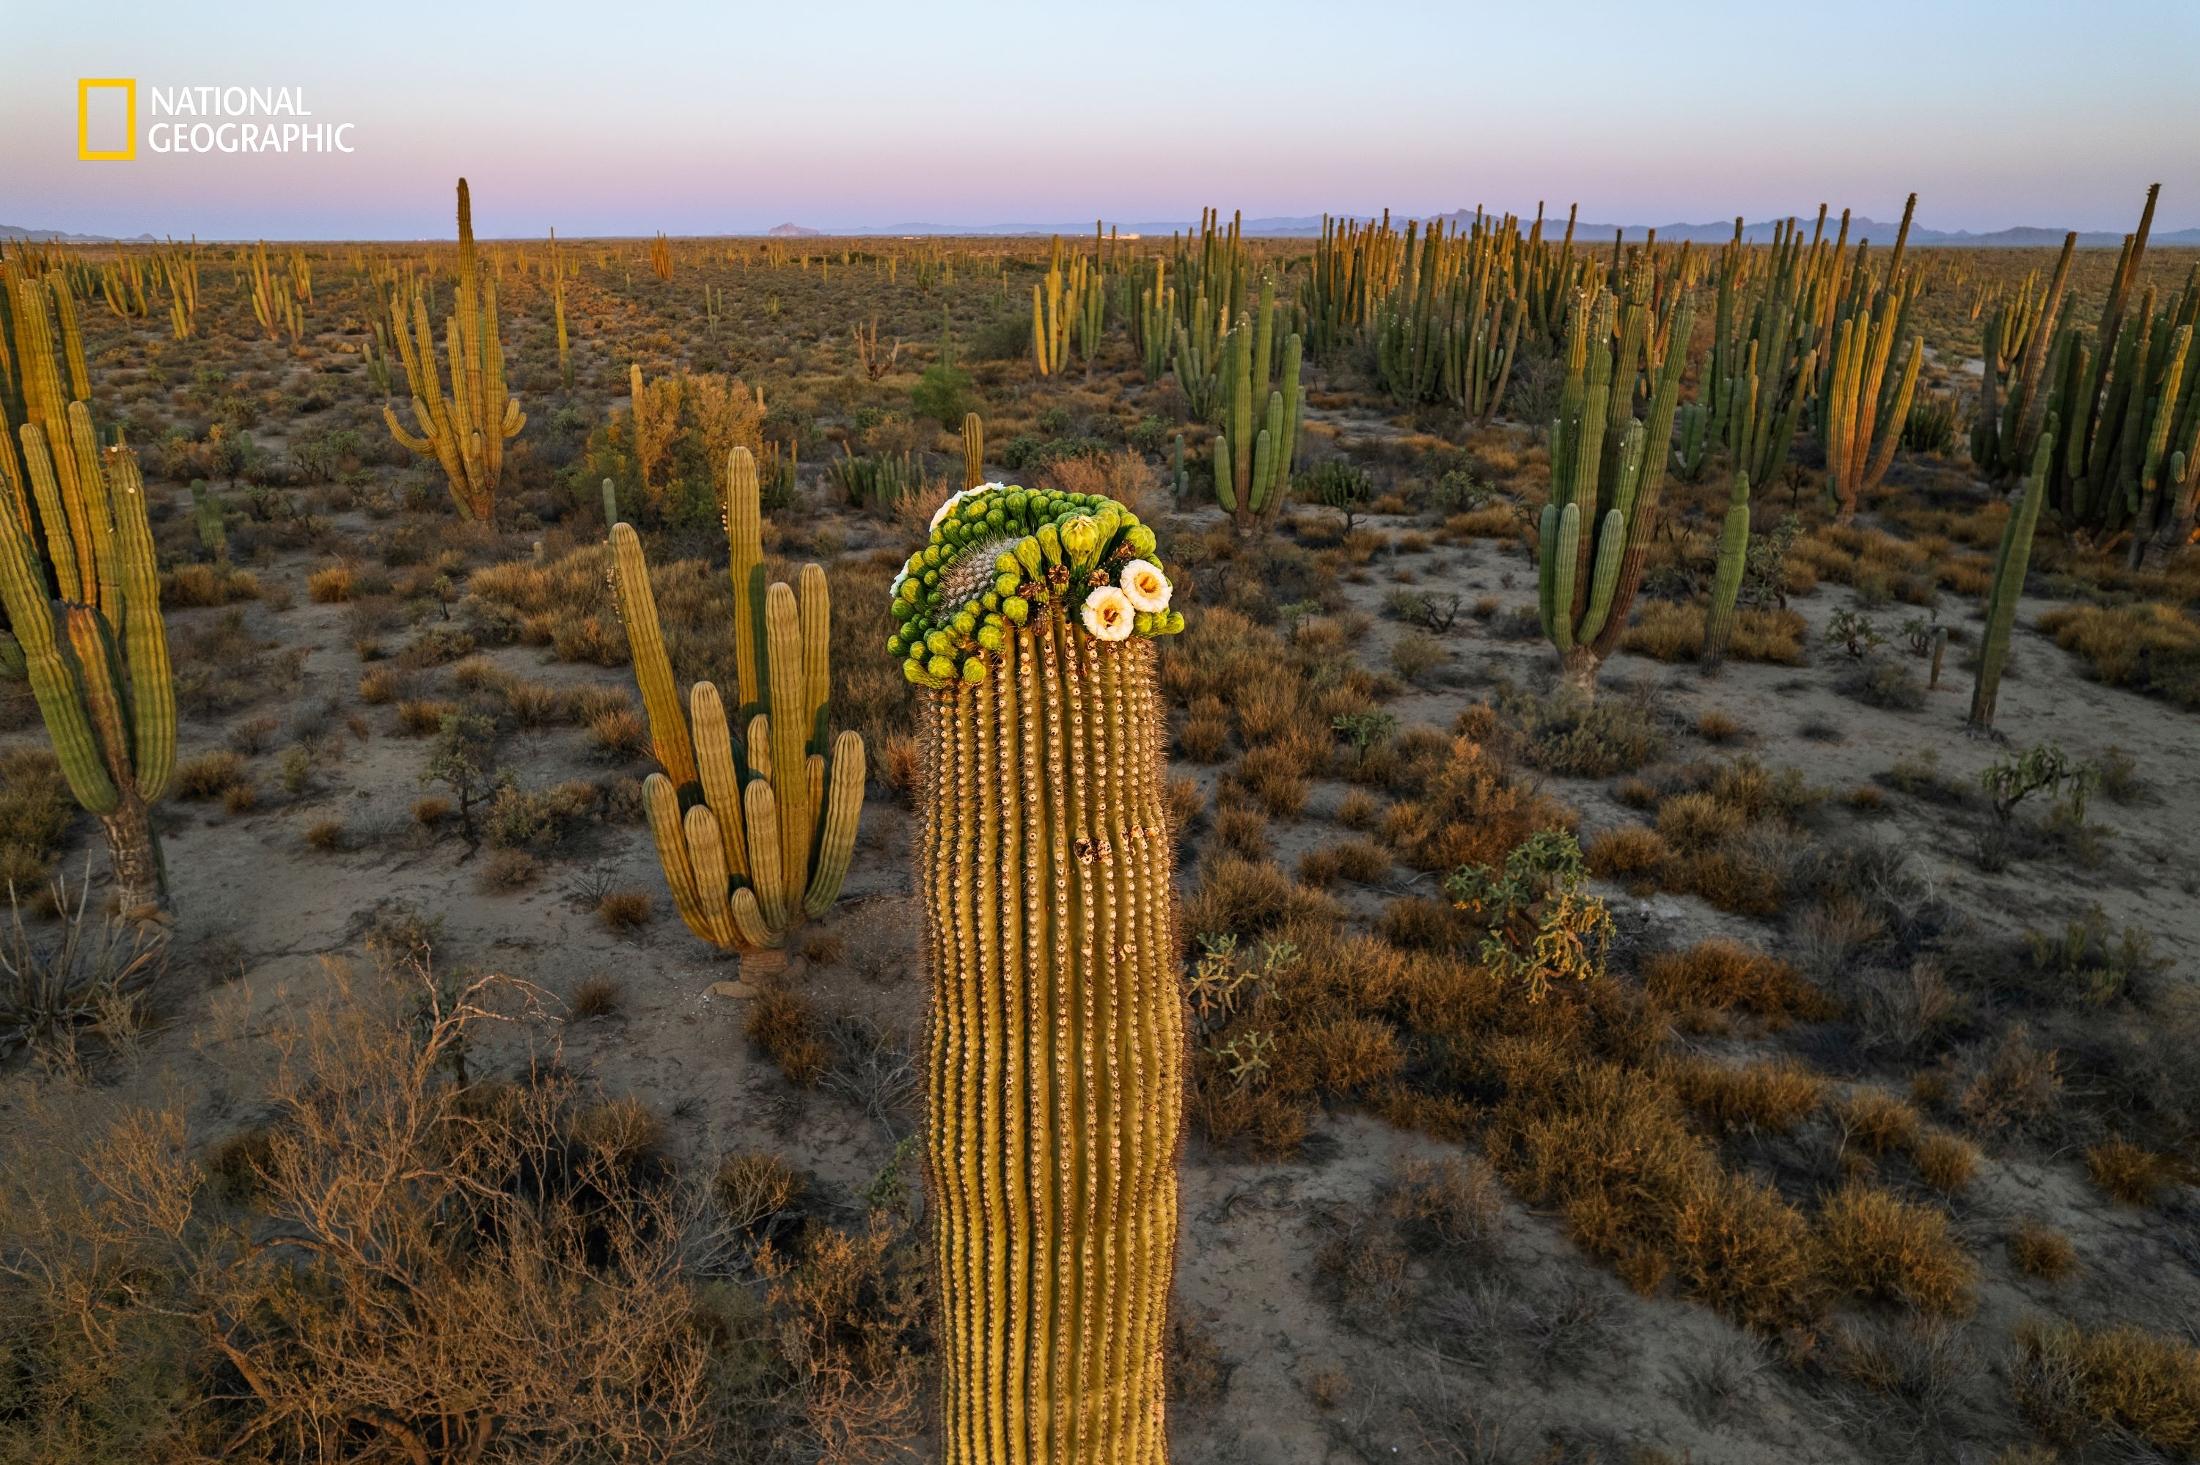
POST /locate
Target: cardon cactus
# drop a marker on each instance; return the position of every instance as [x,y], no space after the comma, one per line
[973,450]
[1726,580]
[1258,433]
[1605,479]
[464,431]
[84,608]
[2011,561]
[1055,1064]
[755,837]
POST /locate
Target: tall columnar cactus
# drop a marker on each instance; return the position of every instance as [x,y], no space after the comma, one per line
[557,308]
[84,608]
[1605,484]
[465,431]
[973,450]
[1056,1054]
[1726,580]
[1864,414]
[2011,561]
[755,836]
[1258,431]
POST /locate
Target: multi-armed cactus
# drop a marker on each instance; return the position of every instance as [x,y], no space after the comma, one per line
[755,837]
[1726,579]
[464,431]
[1864,411]
[2011,561]
[1605,479]
[1259,418]
[1056,1058]
[81,586]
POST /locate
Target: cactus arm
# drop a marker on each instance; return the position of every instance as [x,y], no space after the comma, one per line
[715,767]
[745,564]
[668,729]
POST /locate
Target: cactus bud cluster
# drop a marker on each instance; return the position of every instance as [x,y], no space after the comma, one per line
[998,554]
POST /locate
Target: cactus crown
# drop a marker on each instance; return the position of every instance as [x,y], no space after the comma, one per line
[998,554]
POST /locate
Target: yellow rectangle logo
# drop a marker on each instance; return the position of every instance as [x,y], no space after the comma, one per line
[127,85]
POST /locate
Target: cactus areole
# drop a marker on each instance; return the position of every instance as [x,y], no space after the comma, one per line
[1055,1065]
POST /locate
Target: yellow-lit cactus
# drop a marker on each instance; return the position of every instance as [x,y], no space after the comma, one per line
[1055,1063]
[465,431]
[973,450]
[755,834]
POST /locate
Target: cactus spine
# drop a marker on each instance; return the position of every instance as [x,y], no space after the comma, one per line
[1726,580]
[1055,1062]
[86,617]
[755,837]
[2010,563]
[464,432]
[973,450]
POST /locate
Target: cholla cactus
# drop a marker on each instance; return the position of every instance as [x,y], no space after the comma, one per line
[1057,1032]
[754,837]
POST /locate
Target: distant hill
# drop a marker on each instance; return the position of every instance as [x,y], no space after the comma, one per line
[49,236]
[793,231]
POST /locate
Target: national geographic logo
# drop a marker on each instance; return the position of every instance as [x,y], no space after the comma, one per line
[198,119]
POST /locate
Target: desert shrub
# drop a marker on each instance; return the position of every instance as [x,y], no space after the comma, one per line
[625,910]
[2039,1250]
[1630,849]
[1711,979]
[2150,648]
[2127,1172]
[1774,1097]
[785,1024]
[78,986]
[1879,1246]
[399,1259]
[1569,734]
[35,808]
[2079,1388]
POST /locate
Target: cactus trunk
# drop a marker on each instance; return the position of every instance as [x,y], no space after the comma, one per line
[1057,1049]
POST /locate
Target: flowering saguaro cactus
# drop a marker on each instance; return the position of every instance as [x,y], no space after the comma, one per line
[1055,1064]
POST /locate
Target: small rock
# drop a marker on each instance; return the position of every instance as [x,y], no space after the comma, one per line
[732,989]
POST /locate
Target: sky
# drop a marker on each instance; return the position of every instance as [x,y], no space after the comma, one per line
[636,116]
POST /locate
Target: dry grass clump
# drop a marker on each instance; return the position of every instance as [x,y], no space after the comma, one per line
[421,717]
[2079,1388]
[1946,1162]
[207,776]
[1704,984]
[193,586]
[2151,648]
[1666,630]
[1247,897]
[1463,808]
[1773,1097]
[595,997]
[333,585]
[326,835]
[1569,734]
[625,910]
[785,1024]
[1629,849]
[1636,1185]
[1878,1123]
[2129,1173]
[508,870]
[1879,1246]
[2039,1250]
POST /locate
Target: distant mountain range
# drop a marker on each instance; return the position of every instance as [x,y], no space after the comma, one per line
[1309,226]
[48,236]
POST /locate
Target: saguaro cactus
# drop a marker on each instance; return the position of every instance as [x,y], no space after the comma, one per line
[1055,1065]
[465,431]
[1726,580]
[754,837]
[86,617]
[2011,561]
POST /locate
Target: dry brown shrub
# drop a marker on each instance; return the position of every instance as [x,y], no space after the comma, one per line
[2129,1173]
[1774,1096]
[784,1023]
[2079,1387]
[1707,981]
[2039,1250]
[1879,1246]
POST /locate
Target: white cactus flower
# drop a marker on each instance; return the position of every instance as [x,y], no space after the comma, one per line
[1109,614]
[1145,586]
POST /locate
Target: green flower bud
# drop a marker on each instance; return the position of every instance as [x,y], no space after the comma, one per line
[1017,609]
[1081,541]
[973,670]
[1141,541]
[943,668]
[1050,543]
